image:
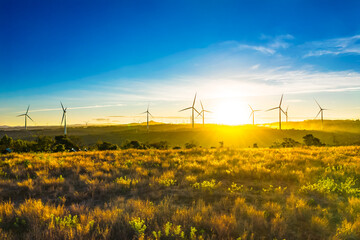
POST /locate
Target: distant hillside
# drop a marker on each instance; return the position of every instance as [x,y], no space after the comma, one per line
[329,125]
[335,133]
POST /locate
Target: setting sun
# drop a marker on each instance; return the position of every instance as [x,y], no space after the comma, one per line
[231,112]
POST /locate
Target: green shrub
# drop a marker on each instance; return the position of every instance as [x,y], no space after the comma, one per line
[102,146]
[310,140]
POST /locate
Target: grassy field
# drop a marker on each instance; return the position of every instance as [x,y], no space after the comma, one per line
[228,193]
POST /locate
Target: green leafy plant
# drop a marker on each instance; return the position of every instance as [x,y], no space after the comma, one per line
[138,226]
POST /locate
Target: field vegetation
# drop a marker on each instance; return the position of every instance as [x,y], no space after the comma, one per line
[223,193]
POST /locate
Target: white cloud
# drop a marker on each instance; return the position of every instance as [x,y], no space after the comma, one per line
[262,49]
[280,41]
[254,67]
[257,82]
[272,45]
[84,107]
[295,100]
[336,46]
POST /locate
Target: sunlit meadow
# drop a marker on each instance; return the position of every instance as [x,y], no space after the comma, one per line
[297,193]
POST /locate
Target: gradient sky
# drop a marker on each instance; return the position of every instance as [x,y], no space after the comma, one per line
[106,60]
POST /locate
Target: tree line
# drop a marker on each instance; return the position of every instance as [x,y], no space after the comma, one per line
[65,143]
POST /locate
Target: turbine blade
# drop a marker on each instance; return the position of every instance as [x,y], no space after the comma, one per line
[150,114]
[143,112]
[29,117]
[185,109]
[148,106]
[196,110]
[207,111]
[317,103]
[281,100]
[194,100]
[20,115]
[62,106]
[283,111]
[251,107]
[272,109]
[201,105]
[27,110]
[62,118]
[251,114]
[318,114]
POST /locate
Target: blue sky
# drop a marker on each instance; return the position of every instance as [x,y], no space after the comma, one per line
[106,60]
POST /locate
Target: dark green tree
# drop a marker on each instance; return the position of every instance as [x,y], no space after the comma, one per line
[44,144]
[163,145]
[289,142]
[106,146]
[6,142]
[133,144]
[67,142]
[310,140]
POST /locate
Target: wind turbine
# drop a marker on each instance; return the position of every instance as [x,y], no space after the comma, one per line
[280,110]
[64,118]
[26,115]
[286,113]
[322,113]
[253,114]
[147,117]
[202,112]
[192,112]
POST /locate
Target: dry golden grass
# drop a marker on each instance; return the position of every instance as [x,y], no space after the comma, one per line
[300,193]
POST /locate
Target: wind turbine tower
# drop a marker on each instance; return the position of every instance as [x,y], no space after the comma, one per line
[280,110]
[26,115]
[202,112]
[147,117]
[64,118]
[286,113]
[253,114]
[321,111]
[193,109]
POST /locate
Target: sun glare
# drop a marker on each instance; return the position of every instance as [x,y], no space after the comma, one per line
[231,112]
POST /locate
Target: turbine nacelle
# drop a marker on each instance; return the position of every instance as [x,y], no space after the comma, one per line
[26,115]
[147,116]
[280,110]
[203,110]
[63,119]
[320,111]
[193,109]
[253,113]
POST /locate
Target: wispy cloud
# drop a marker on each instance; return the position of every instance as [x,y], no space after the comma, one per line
[239,73]
[72,108]
[254,67]
[101,119]
[157,117]
[98,106]
[336,46]
[240,83]
[295,100]
[262,49]
[280,41]
[272,45]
